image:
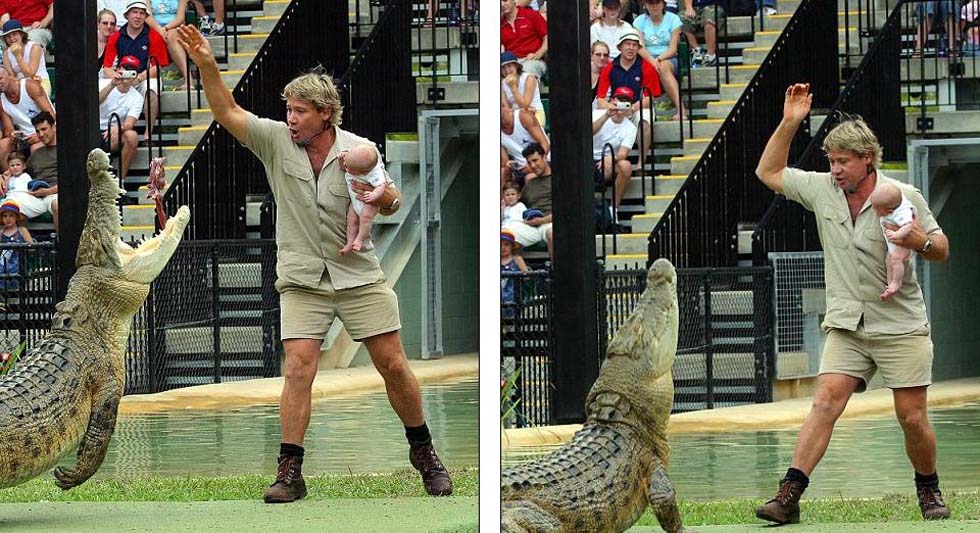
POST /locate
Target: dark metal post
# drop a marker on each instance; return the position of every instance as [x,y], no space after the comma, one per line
[215,314]
[709,351]
[78,124]
[575,309]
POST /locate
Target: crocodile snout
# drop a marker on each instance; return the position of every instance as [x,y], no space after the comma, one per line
[661,271]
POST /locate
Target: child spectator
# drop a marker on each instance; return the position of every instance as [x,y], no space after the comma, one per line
[16,180]
[892,207]
[511,207]
[11,219]
[520,88]
[362,164]
[509,262]
[24,58]
[20,187]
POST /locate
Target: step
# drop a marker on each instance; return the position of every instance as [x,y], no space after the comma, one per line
[768,37]
[720,108]
[696,146]
[930,69]
[441,38]
[246,43]
[626,243]
[178,155]
[644,223]
[137,233]
[200,339]
[668,131]
[732,91]
[663,184]
[946,122]
[456,92]
[626,261]
[406,151]
[139,215]
[709,78]
[241,60]
[683,165]
[658,203]
[755,55]
[143,190]
[231,77]
[274,7]
[264,23]
[201,117]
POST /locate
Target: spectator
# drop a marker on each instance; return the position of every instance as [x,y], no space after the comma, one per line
[662,31]
[518,129]
[766,7]
[641,78]
[165,17]
[135,39]
[107,26]
[703,14]
[210,26]
[17,185]
[520,88]
[117,96]
[926,15]
[118,8]
[21,101]
[511,206]
[24,58]
[15,178]
[35,15]
[599,59]
[524,32]
[43,163]
[509,262]
[610,27]
[13,232]
[537,196]
[609,126]
[969,18]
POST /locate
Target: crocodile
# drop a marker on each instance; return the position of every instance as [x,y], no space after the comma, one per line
[606,475]
[65,390]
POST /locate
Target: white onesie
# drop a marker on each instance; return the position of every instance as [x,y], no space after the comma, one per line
[374,178]
[902,215]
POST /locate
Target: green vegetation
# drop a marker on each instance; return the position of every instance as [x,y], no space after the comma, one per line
[892,508]
[248,487]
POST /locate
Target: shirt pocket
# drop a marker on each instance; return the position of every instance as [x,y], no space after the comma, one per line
[297,170]
[834,222]
[875,233]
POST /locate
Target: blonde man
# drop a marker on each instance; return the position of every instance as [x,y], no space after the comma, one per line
[316,284]
[865,334]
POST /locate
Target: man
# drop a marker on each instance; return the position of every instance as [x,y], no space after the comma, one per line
[43,163]
[864,333]
[35,15]
[524,32]
[211,26]
[135,39]
[303,160]
[118,98]
[21,101]
[641,77]
[536,194]
[610,127]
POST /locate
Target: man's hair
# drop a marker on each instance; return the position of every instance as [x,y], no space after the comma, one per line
[43,116]
[533,148]
[853,135]
[316,87]
[15,156]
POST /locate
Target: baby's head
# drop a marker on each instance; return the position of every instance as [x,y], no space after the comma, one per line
[361,159]
[15,163]
[885,199]
[512,192]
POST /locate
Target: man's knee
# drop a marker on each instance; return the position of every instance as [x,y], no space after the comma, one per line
[913,419]
[392,364]
[130,139]
[301,359]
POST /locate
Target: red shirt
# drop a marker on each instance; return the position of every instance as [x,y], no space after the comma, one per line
[527,33]
[640,74]
[26,11]
[136,47]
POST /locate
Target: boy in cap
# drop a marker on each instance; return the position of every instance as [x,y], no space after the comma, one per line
[118,97]
[609,126]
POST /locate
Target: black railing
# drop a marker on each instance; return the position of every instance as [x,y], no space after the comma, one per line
[725,352]
[445,43]
[874,91]
[700,226]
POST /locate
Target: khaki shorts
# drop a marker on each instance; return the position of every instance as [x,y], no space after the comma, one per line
[366,311]
[702,17]
[904,360]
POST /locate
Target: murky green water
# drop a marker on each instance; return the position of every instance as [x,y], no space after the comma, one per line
[866,458]
[361,434]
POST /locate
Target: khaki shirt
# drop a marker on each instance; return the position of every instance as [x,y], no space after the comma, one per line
[854,256]
[311,223]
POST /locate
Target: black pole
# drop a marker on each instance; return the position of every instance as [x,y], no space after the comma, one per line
[576,365]
[77,123]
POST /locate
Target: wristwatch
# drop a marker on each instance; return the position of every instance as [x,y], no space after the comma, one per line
[926,247]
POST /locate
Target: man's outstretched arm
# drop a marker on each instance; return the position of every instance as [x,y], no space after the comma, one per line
[776,155]
[222,103]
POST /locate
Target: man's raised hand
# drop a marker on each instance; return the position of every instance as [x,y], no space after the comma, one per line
[198,48]
[798,101]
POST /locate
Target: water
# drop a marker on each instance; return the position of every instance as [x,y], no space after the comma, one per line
[866,458]
[360,434]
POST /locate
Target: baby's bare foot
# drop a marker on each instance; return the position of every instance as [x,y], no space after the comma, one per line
[347,249]
[889,291]
[357,244]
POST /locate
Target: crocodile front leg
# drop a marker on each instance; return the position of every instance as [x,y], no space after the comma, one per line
[526,517]
[663,500]
[95,443]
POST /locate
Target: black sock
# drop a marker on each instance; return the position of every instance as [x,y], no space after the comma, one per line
[294,450]
[931,480]
[418,436]
[797,475]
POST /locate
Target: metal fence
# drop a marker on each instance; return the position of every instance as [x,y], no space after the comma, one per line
[800,303]
[211,316]
[724,353]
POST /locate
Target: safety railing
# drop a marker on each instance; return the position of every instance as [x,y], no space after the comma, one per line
[445,44]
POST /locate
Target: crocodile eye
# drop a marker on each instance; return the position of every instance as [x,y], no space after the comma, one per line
[67,322]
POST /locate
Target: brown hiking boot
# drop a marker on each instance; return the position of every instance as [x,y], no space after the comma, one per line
[435,477]
[289,485]
[785,507]
[931,503]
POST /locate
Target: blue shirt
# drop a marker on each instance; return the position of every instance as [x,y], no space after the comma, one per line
[657,36]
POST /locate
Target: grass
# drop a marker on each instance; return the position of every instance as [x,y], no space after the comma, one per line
[891,508]
[247,487]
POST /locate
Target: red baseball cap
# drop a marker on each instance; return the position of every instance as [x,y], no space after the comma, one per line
[623,91]
[132,62]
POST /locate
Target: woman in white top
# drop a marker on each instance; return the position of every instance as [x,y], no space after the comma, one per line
[520,88]
[23,58]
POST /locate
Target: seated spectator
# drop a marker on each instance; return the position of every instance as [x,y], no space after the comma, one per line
[524,32]
[641,78]
[511,206]
[610,27]
[165,17]
[926,15]
[36,15]
[137,40]
[24,58]
[518,129]
[662,31]
[969,19]
[510,261]
[13,231]
[610,126]
[19,186]
[15,179]
[117,96]
[599,59]
[703,14]
[520,88]
[536,223]
[210,26]
[43,163]
[21,101]
[107,26]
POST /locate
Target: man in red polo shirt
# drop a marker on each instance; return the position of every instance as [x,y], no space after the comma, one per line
[524,32]
[35,15]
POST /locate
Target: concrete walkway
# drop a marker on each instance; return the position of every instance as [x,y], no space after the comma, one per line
[336,382]
[787,413]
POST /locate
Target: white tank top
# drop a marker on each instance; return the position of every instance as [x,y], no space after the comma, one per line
[23,111]
[42,65]
[521,84]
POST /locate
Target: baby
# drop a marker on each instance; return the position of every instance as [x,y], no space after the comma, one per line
[362,164]
[893,207]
